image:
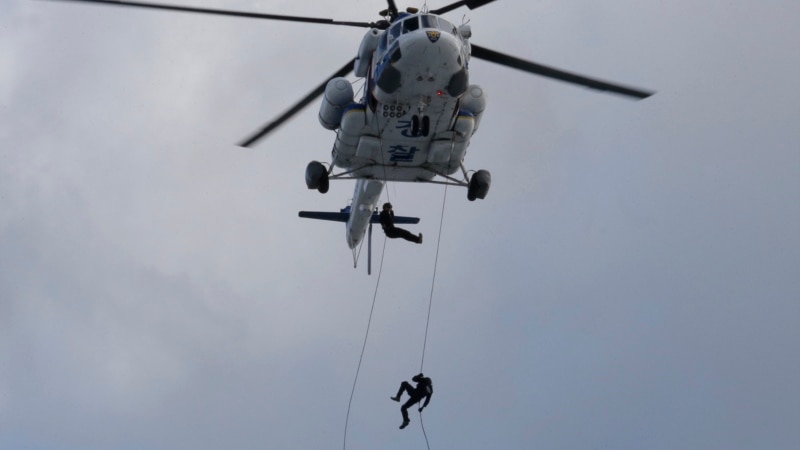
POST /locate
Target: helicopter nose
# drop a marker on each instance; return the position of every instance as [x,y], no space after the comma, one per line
[437,55]
[426,77]
[423,63]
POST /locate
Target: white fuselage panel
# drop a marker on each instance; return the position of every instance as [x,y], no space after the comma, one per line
[408,106]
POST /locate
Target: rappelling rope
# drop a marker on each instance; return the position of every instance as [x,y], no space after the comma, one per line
[433,281]
[427,444]
[372,309]
[363,347]
[430,304]
[369,322]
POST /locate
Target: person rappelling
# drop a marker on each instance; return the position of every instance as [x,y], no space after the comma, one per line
[387,222]
[424,389]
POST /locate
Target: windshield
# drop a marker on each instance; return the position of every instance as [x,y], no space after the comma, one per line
[429,21]
[413,23]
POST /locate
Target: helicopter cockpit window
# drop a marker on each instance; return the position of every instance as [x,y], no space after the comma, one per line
[383,42]
[430,22]
[396,29]
[447,26]
[410,24]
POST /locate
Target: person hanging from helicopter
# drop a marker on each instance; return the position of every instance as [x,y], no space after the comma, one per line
[391,231]
[424,389]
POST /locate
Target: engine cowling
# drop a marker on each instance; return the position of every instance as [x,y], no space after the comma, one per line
[338,94]
[474,101]
[368,45]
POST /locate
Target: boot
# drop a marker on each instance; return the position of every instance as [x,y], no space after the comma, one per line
[405,424]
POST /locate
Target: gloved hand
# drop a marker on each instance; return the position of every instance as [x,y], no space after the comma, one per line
[420,410]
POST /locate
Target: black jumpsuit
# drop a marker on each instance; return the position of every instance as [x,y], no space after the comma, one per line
[387,222]
[424,389]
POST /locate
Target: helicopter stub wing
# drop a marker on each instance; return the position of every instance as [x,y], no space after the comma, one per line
[323,215]
[344,216]
[376,218]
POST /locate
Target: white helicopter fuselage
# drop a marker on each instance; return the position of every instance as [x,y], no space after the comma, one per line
[417,112]
[416,116]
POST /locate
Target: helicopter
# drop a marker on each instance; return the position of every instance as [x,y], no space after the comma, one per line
[416,114]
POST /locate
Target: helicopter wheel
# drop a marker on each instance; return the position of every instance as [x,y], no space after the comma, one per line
[479,185]
[324,184]
[317,177]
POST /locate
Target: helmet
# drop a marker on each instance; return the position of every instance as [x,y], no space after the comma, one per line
[387,205]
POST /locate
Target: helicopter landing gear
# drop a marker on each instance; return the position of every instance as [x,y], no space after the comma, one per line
[317,177]
[479,185]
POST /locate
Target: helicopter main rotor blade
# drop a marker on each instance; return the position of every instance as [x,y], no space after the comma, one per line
[392,8]
[222,12]
[557,74]
[318,91]
[471,4]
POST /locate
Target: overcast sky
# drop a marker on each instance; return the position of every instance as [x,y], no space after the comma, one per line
[632,280]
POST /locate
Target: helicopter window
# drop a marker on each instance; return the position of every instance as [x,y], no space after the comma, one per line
[447,26]
[429,22]
[395,30]
[383,42]
[410,24]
